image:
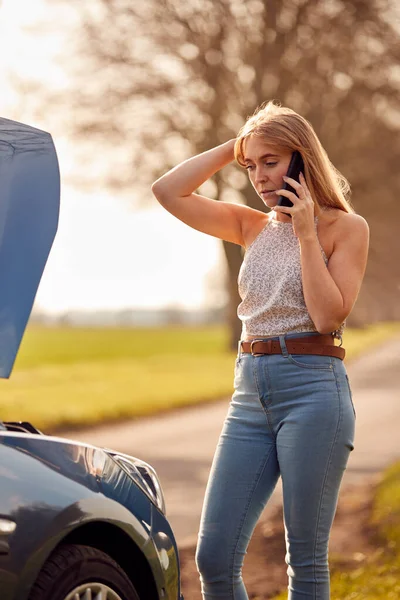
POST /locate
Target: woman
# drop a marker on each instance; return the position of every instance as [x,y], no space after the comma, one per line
[291,413]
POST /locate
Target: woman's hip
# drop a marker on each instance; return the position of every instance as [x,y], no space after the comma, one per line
[279,386]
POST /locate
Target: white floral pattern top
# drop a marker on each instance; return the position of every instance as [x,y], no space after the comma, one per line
[270,285]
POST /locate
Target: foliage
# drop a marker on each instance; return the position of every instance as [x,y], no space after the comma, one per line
[176,77]
[386,511]
[151,83]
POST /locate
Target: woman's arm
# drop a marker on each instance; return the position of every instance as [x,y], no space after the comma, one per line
[175,192]
[330,292]
[185,178]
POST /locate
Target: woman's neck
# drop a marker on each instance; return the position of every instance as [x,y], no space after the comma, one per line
[284,218]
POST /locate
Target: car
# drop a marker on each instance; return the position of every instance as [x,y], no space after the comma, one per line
[80,522]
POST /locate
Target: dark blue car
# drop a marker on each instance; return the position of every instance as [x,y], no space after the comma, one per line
[78,522]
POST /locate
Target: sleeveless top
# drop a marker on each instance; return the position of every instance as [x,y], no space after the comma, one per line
[271,287]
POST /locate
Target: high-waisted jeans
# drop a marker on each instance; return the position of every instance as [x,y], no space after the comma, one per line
[290,416]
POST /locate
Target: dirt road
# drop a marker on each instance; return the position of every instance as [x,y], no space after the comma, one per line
[180,445]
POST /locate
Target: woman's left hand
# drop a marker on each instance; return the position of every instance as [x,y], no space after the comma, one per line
[302,211]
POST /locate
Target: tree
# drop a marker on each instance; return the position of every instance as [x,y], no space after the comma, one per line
[166,79]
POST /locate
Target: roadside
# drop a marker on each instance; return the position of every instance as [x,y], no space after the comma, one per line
[70,378]
[264,571]
[180,444]
[375,574]
[354,544]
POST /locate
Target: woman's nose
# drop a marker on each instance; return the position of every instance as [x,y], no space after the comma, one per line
[260,175]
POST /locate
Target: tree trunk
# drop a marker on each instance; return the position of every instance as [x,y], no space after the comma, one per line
[234,259]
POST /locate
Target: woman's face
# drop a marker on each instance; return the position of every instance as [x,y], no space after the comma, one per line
[266,166]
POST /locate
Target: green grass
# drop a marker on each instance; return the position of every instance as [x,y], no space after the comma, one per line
[357,341]
[67,377]
[69,345]
[378,577]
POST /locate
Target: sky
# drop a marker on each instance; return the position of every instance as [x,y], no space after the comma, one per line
[106,255]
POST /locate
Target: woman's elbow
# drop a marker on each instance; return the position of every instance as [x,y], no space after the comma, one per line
[325,330]
[328,326]
[159,190]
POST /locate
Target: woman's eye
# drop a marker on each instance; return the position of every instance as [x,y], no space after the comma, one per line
[267,164]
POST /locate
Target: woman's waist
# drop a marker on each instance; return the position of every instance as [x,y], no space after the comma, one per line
[296,343]
[291,335]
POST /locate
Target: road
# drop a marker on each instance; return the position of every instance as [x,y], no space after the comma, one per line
[180,444]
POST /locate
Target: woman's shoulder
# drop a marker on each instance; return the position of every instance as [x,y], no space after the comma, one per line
[341,221]
[340,227]
[352,222]
[335,227]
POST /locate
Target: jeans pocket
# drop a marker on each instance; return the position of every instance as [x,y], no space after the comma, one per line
[236,368]
[351,395]
[311,361]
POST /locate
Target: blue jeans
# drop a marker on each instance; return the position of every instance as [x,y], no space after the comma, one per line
[290,416]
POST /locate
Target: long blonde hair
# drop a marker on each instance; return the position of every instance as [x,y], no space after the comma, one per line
[284,128]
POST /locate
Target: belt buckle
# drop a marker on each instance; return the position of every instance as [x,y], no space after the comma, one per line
[260,353]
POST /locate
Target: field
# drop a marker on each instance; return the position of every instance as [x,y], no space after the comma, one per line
[66,377]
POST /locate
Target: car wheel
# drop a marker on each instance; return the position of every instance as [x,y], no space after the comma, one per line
[75,572]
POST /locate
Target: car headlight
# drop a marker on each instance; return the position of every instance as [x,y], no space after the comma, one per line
[144,475]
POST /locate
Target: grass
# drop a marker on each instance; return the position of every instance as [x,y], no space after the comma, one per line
[67,377]
[69,345]
[378,577]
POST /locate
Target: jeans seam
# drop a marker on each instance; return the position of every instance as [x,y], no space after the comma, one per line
[351,395]
[324,483]
[265,409]
[245,513]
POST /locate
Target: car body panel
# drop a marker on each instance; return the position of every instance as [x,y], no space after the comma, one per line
[74,484]
[29,212]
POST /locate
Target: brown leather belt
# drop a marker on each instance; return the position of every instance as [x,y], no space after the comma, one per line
[323,345]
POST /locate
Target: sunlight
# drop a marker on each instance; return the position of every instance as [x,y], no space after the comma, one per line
[106,255]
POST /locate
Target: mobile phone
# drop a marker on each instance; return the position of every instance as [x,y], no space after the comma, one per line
[296,166]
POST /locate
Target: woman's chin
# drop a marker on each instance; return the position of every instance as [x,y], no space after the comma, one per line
[270,202]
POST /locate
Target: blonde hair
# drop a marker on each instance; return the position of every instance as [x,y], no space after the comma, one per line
[282,127]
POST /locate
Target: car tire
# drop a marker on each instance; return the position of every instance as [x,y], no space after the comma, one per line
[71,568]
